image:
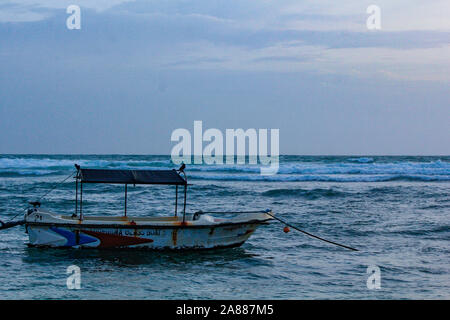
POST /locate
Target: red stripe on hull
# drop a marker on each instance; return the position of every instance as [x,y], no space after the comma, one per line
[111,240]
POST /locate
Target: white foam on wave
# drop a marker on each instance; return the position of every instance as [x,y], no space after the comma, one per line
[394,168]
[340,170]
[24,163]
[361,160]
[319,178]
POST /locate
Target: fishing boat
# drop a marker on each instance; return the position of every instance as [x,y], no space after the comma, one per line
[199,230]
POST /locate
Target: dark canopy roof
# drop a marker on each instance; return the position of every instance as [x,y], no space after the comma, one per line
[131,176]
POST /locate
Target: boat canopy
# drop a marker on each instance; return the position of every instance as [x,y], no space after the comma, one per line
[122,176]
[126,177]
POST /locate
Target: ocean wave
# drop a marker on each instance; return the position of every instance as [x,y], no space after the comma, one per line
[304,193]
[353,168]
[26,173]
[19,164]
[361,160]
[319,178]
[424,231]
[394,168]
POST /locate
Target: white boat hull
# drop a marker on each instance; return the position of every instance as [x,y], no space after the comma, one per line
[49,230]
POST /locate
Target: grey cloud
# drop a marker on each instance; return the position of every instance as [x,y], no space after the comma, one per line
[196,61]
[283,59]
[116,31]
[108,87]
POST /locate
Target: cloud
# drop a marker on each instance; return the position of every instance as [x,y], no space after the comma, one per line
[36,10]
[281,59]
[284,35]
[400,15]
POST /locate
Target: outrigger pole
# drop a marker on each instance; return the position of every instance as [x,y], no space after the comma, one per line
[269,213]
[6,225]
[309,234]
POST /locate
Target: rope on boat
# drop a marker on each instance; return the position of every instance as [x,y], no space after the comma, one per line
[287,224]
[46,194]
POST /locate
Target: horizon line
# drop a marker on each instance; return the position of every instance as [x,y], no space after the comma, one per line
[168,155]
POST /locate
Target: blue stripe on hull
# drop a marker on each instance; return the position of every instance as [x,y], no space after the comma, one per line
[72,238]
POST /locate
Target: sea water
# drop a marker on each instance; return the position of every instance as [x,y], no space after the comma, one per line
[395,210]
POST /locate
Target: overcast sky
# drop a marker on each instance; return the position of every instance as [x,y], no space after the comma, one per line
[137,70]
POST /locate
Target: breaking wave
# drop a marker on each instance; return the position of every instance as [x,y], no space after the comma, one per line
[320,178]
[292,168]
[361,160]
[304,193]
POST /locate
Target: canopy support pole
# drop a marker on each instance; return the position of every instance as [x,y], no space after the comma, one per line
[81,201]
[184,206]
[176,200]
[76,195]
[126,199]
